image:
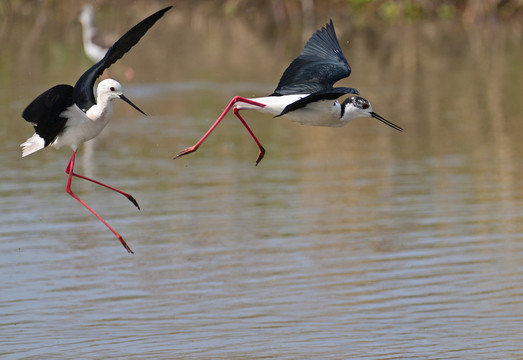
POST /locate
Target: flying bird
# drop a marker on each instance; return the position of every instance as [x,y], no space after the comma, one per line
[69,116]
[305,93]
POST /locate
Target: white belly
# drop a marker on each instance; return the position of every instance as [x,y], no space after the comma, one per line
[320,113]
[80,127]
[273,104]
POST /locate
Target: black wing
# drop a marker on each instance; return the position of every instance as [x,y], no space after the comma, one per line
[44,112]
[327,94]
[319,66]
[83,89]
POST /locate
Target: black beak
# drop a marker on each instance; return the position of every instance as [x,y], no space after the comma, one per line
[385,121]
[130,103]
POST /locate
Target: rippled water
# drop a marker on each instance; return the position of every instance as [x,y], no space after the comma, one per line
[359,242]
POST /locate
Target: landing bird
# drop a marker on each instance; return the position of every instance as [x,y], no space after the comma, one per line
[66,115]
[305,93]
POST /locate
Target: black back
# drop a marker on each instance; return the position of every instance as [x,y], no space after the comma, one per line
[319,66]
[44,112]
[83,89]
[327,94]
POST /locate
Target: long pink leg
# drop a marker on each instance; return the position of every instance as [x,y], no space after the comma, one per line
[233,101]
[261,154]
[127,195]
[69,170]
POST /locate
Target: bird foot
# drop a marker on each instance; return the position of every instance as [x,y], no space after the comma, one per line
[122,241]
[133,200]
[260,155]
[185,152]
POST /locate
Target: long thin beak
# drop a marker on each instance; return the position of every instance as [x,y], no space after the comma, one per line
[122,96]
[385,121]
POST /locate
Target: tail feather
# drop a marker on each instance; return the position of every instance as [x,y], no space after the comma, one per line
[31,145]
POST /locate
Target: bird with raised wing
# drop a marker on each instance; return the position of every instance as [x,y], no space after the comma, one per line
[69,116]
[305,93]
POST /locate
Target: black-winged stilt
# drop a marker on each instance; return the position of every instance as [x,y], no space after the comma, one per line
[305,92]
[96,42]
[66,115]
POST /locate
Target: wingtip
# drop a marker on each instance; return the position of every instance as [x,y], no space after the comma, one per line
[166,8]
[327,27]
[83,94]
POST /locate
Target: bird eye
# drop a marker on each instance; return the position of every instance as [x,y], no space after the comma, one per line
[365,106]
[112,88]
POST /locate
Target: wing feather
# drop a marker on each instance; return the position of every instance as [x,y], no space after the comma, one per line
[83,90]
[327,94]
[44,112]
[319,66]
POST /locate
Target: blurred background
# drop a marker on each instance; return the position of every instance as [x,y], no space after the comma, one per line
[358,242]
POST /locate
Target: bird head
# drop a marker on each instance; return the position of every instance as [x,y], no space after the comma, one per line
[355,107]
[87,15]
[111,89]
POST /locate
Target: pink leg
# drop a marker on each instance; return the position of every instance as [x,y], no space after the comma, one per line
[127,195]
[261,154]
[69,171]
[233,101]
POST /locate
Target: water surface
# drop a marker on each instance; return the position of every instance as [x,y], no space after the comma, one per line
[359,242]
